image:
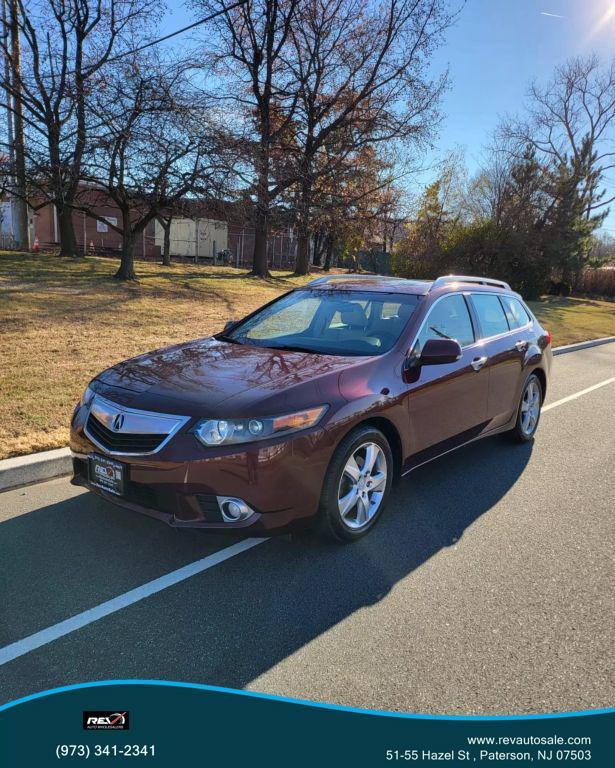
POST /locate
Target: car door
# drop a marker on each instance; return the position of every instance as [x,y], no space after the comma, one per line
[505,348]
[447,403]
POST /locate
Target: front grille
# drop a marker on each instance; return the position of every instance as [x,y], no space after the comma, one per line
[120,442]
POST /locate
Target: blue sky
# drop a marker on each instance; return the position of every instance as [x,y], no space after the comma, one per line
[496,48]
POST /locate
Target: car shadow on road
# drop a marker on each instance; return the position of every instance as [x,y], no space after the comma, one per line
[231,624]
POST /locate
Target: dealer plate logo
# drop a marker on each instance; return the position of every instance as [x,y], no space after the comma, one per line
[106,720]
[107,472]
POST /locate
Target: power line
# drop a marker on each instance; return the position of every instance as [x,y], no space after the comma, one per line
[177,32]
[158,40]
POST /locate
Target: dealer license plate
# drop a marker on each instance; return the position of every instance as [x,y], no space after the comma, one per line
[107,474]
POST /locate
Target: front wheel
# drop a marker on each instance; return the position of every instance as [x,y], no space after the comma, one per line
[357,484]
[528,413]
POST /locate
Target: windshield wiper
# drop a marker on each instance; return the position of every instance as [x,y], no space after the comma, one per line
[224,337]
[442,335]
[291,348]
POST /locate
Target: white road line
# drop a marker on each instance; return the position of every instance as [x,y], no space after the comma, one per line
[578,394]
[45,636]
[38,639]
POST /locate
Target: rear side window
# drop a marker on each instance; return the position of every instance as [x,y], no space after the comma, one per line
[515,312]
[449,319]
[490,314]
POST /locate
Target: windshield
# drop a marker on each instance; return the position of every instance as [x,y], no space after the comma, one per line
[331,322]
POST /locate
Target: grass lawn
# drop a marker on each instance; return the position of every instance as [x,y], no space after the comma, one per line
[61,322]
[575,319]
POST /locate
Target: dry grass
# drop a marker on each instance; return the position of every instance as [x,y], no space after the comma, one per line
[571,319]
[63,321]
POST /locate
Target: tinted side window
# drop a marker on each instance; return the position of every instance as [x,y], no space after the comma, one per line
[515,312]
[449,319]
[490,314]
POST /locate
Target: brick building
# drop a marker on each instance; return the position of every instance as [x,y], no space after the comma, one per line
[200,232]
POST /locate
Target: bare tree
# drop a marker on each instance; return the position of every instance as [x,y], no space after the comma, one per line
[569,118]
[250,40]
[360,70]
[486,190]
[153,147]
[165,219]
[65,46]
[393,216]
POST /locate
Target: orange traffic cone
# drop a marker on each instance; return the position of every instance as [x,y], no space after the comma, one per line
[36,246]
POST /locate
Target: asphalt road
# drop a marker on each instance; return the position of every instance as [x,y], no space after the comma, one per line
[488,587]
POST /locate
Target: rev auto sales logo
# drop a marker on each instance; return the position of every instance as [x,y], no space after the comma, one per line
[106,721]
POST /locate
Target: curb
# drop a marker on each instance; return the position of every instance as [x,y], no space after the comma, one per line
[583,345]
[36,467]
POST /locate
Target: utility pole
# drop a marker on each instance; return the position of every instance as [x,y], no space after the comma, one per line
[9,110]
[22,233]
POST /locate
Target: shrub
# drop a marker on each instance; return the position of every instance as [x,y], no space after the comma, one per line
[599,282]
[487,250]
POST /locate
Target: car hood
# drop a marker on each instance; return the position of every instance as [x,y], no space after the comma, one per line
[200,377]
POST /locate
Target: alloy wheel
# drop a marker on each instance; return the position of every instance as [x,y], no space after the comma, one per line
[362,485]
[530,407]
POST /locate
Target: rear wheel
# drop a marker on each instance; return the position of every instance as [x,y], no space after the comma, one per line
[528,414]
[357,484]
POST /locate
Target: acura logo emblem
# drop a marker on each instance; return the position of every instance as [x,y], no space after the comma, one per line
[118,422]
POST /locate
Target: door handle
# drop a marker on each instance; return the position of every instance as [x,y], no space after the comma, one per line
[521,345]
[478,363]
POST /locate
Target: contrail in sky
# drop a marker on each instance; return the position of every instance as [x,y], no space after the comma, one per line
[553,15]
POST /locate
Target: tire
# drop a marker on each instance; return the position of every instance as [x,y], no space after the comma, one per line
[525,428]
[371,490]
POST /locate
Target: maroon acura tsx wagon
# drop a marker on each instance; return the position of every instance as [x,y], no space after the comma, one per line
[306,410]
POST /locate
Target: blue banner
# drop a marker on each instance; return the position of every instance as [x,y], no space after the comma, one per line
[176,724]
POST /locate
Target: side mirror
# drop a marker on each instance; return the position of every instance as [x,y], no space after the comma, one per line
[229,325]
[440,351]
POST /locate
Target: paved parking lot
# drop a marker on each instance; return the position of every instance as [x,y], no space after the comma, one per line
[487,588]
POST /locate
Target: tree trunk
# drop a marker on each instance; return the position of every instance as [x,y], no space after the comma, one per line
[328,254]
[127,264]
[260,265]
[302,265]
[166,246]
[66,230]
[317,249]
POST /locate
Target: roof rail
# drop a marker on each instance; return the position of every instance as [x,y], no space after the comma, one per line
[339,276]
[468,279]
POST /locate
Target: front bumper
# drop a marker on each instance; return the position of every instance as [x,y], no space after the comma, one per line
[281,481]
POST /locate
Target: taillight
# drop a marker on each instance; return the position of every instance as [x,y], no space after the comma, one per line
[549,337]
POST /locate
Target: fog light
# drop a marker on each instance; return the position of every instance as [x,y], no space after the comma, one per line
[234,510]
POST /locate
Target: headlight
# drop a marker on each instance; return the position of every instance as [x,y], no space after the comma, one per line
[232,431]
[87,396]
